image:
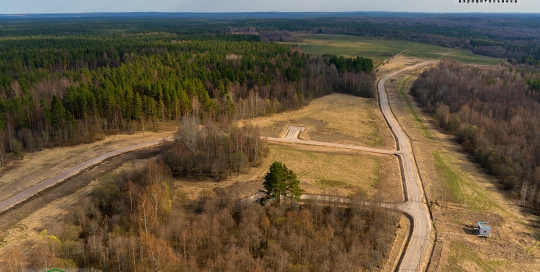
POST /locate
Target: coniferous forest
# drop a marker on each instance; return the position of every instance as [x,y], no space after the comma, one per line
[63,90]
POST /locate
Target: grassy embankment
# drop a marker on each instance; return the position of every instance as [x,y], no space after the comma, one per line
[404,84]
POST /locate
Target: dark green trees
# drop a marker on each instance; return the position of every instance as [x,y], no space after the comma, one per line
[75,89]
[358,64]
[281,182]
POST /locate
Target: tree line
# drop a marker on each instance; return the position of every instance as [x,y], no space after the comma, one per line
[68,90]
[495,115]
[137,223]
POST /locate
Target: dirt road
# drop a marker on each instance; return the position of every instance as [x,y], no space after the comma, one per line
[325,144]
[415,255]
[415,204]
[28,193]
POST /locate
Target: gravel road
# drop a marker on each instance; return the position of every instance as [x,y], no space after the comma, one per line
[415,204]
[28,193]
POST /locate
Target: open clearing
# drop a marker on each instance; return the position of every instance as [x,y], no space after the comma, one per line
[342,173]
[460,194]
[380,49]
[336,118]
[320,170]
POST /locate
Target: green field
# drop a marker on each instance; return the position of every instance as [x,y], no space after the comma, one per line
[380,49]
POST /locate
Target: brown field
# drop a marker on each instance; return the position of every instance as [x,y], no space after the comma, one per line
[336,118]
[333,118]
[460,194]
[328,171]
[320,170]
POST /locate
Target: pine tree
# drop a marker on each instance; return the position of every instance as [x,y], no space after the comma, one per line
[281,182]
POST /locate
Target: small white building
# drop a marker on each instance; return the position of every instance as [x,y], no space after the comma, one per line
[483,229]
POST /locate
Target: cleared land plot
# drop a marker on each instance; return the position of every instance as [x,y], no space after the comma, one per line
[381,49]
[336,118]
[342,173]
[321,170]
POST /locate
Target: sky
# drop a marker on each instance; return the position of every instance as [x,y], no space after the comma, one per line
[78,6]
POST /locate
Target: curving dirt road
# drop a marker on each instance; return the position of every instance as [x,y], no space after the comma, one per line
[415,206]
[28,193]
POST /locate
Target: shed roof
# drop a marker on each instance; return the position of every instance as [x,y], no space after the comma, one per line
[483,225]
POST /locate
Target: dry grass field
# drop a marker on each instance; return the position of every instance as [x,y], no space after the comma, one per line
[336,118]
[320,170]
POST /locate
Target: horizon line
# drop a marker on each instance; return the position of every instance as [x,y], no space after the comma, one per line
[268,12]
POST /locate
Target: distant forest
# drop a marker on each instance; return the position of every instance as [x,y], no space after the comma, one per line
[68,89]
[513,37]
